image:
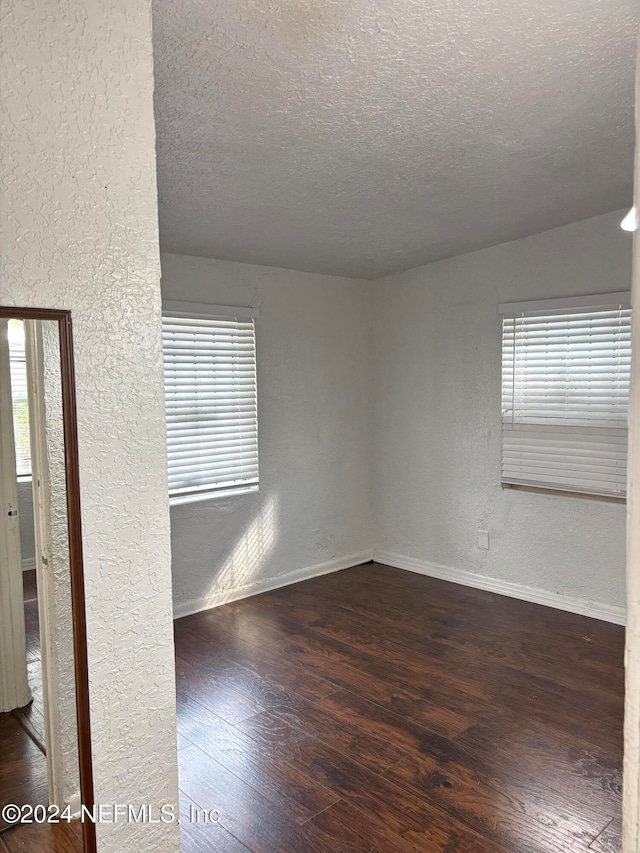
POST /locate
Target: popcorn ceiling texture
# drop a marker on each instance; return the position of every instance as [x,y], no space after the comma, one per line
[361,137]
[303,133]
[79,232]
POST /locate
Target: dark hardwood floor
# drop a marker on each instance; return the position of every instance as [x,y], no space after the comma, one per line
[43,838]
[31,717]
[23,766]
[378,711]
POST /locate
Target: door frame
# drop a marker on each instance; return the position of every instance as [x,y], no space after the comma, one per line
[72,476]
[43,556]
[15,691]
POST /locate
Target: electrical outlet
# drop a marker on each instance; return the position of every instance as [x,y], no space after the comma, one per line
[483,539]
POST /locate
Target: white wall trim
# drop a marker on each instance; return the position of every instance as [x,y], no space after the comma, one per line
[28,563]
[75,804]
[582,606]
[622,297]
[200,309]
[186,608]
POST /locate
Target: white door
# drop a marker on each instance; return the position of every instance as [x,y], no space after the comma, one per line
[14,686]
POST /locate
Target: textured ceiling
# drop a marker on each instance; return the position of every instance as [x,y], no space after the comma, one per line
[362,137]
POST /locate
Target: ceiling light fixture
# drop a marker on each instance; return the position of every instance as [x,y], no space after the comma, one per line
[630,222]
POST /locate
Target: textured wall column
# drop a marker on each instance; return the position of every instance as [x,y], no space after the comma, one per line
[79,231]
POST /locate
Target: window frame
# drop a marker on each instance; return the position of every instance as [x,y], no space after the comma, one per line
[205,311]
[603,301]
[22,475]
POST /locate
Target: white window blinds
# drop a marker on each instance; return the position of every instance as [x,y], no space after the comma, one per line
[211,398]
[18,370]
[565,393]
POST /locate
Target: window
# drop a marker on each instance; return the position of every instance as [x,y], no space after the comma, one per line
[18,369]
[565,393]
[211,399]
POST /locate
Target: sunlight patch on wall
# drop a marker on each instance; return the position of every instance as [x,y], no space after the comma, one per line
[246,560]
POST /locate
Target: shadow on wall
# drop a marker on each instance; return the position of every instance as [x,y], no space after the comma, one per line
[25,517]
[243,565]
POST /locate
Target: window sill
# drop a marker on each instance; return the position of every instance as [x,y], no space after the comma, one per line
[183,500]
[24,478]
[569,493]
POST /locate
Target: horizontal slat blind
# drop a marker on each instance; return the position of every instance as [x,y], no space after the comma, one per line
[565,395]
[211,402]
[18,369]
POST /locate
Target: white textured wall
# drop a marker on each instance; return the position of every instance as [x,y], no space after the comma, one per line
[437,417]
[314,378]
[79,221]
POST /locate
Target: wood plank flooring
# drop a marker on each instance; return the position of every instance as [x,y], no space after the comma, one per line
[23,766]
[31,717]
[378,711]
[43,838]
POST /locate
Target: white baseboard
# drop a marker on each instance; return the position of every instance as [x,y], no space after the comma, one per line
[595,609]
[28,564]
[215,599]
[75,804]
